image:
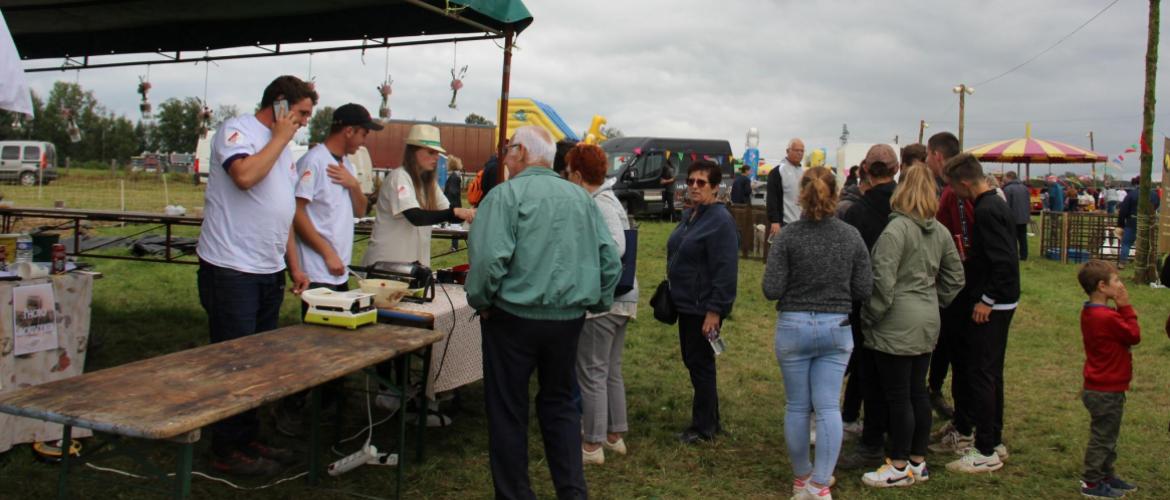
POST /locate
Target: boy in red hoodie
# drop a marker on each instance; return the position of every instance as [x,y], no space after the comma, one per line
[1108,335]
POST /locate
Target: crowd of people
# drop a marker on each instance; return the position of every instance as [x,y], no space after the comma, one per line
[888,284]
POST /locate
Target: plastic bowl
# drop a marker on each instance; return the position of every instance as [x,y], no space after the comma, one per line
[387,293]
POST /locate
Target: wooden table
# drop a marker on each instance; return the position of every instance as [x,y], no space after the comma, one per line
[171,397]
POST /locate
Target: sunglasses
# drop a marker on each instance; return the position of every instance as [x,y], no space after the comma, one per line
[692,182]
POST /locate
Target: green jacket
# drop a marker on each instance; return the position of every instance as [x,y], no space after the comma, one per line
[539,249]
[916,270]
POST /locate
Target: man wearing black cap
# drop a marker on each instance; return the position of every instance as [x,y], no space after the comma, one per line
[329,197]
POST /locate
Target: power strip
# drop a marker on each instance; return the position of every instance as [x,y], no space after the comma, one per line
[368,455]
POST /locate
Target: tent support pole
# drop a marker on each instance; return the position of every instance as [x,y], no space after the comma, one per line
[505,85]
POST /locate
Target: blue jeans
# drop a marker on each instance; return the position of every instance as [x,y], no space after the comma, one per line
[813,350]
[1128,236]
[238,304]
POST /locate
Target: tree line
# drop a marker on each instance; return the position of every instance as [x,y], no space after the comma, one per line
[105,136]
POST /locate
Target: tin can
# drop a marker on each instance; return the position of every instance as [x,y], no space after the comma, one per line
[58,258]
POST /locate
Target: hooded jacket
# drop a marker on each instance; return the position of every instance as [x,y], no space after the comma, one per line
[916,270]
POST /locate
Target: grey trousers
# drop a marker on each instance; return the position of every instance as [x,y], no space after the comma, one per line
[1105,411]
[599,374]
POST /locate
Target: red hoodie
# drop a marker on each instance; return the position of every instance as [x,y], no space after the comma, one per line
[1108,334]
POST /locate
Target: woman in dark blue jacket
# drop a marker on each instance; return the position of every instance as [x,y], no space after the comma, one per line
[702,266]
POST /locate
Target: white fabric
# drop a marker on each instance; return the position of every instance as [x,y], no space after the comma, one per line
[247,230]
[330,209]
[14,91]
[790,177]
[395,238]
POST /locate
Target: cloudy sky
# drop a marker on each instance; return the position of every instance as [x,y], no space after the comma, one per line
[713,69]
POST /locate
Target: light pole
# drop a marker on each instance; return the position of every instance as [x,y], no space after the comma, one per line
[1093,172]
[921,129]
[963,90]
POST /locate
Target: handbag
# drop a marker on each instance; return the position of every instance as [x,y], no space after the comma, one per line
[663,304]
[629,264]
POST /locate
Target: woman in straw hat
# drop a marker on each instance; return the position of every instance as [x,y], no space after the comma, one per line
[410,202]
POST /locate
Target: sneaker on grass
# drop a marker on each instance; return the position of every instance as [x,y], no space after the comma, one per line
[799,484]
[888,476]
[1100,489]
[953,441]
[811,492]
[974,462]
[855,427]
[920,471]
[1000,449]
[1120,485]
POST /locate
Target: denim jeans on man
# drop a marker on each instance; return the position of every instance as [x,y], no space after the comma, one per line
[813,350]
[238,304]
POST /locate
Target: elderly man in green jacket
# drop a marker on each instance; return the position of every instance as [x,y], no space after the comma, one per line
[541,256]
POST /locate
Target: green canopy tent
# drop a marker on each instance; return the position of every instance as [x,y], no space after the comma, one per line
[86,34]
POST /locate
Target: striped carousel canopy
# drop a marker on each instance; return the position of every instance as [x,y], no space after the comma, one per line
[1029,150]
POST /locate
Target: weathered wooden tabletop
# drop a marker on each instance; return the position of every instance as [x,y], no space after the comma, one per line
[176,394]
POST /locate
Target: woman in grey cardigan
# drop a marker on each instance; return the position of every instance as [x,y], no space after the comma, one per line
[599,350]
[817,267]
[916,270]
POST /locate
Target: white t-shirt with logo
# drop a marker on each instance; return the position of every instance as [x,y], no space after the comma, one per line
[395,238]
[330,209]
[247,230]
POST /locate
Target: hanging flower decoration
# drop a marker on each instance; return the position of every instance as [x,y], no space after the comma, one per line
[204,121]
[456,84]
[144,87]
[71,127]
[385,90]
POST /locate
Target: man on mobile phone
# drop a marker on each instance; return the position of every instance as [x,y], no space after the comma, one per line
[247,243]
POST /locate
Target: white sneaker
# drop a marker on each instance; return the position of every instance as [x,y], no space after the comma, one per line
[888,476]
[1000,450]
[618,447]
[799,484]
[947,428]
[812,432]
[974,462]
[921,472]
[811,492]
[596,457]
[854,427]
[953,441]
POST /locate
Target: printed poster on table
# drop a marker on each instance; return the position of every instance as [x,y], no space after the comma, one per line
[33,318]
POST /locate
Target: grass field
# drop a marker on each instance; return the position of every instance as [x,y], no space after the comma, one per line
[103,190]
[142,310]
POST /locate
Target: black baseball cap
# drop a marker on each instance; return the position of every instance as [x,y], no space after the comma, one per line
[354,115]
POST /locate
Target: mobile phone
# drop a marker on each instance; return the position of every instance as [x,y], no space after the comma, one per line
[280,108]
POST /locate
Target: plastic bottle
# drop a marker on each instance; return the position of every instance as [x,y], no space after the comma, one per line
[24,248]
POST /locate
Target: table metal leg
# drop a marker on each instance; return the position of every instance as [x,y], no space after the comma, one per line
[63,477]
[183,471]
[424,404]
[315,435]
[402,379]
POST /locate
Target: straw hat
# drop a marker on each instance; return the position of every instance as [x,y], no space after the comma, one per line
[425,136]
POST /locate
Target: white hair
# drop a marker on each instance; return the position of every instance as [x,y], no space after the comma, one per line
[793,141]
[539,143]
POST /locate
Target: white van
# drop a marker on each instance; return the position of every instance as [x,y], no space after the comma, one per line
[201,167]
[27,161]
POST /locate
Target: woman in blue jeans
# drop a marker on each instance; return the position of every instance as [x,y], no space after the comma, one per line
[817,267]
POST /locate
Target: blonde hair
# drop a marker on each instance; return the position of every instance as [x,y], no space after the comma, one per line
[818,193]
[917,195]
[454,164]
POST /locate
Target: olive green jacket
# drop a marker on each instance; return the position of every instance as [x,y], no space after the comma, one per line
[916,270]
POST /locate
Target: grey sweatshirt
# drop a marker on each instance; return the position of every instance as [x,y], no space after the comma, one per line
[818,266]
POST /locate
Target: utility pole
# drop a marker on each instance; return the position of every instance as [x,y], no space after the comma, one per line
[921,129]
[963,90]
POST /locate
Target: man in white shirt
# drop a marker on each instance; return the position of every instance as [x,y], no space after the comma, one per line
[245,245]
[784,188]
[329,196]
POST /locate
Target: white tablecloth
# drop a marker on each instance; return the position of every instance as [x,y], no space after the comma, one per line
[457,360]
[73,293]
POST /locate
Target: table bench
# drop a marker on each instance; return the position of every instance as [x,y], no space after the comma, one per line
[172,397]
